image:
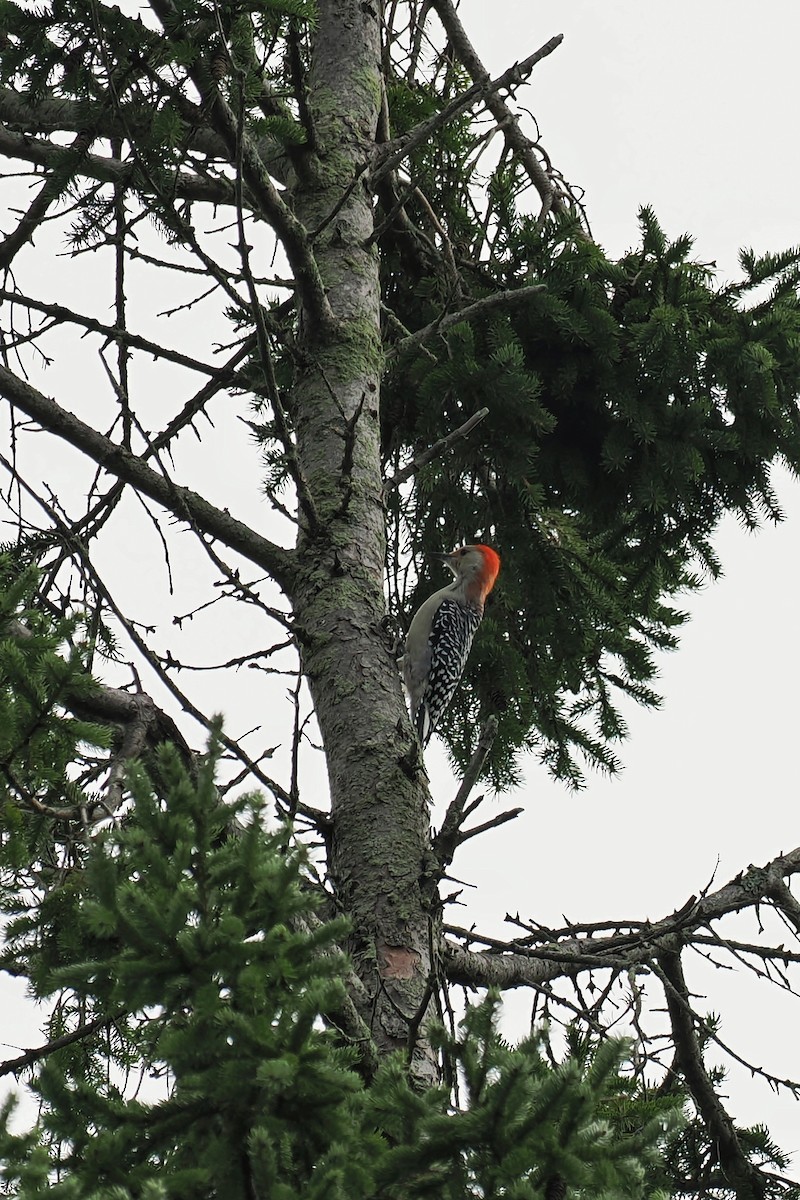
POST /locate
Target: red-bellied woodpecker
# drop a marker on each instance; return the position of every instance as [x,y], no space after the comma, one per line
[440,636]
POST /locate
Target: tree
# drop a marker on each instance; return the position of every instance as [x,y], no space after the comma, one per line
[343,194]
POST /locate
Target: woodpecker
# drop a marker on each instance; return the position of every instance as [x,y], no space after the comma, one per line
[441,633]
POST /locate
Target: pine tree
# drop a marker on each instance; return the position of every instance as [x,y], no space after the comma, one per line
[188,948]
[420,360]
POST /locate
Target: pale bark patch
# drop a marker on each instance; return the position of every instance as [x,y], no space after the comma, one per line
[398,962]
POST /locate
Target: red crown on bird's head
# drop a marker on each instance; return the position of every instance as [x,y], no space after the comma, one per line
[491,561]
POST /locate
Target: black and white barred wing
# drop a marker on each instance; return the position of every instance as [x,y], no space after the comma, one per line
[450,641]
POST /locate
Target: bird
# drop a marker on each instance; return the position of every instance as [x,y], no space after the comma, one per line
[440,635]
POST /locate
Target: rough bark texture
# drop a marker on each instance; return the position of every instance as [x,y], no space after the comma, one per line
[380,833]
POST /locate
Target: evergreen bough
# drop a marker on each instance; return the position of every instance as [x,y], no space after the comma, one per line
[216,1070]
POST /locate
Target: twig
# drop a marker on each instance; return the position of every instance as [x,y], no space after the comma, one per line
[441,447]
[446,840]
[502,819]
[500,300]
[782,898]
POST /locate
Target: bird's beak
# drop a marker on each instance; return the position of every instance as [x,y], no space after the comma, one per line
[449,560]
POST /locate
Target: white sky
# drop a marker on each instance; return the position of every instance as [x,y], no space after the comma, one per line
[692,108]
[689,107]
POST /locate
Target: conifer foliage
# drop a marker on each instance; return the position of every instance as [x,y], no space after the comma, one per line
[317,244]
[189,948]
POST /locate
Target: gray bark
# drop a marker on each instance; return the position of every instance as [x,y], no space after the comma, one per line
[380,830]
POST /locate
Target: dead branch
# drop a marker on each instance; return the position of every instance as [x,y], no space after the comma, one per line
[438,448]
[274,209]
[483,89]
[500,302]
[185,504]
[304,497]
[515,963]
[522,146]
[501,819]
[180,184]
[113,333]
[744,1178]
[28,114]
[448,837]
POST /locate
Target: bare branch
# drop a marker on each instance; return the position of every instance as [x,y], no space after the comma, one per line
[744,1178]
[552,200]
[304,497]
[483,89]
[500,301]
[516,963]
[441,447]
[501,819]
[475,968]
[447,839]
[783,899]
[181,184]
[26,113]
[291,232]
[64,315]
[346,1018]
[116,460]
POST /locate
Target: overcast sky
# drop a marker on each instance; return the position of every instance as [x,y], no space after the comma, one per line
[691,108]
[688,107]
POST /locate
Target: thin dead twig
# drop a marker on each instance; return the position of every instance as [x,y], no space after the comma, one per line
[441,447]
[500,301]
[447,839]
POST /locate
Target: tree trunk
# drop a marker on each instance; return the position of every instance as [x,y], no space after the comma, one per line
[379,797]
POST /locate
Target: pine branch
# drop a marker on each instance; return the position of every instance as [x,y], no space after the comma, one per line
[144,724]
[15,1065]
[185,504]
